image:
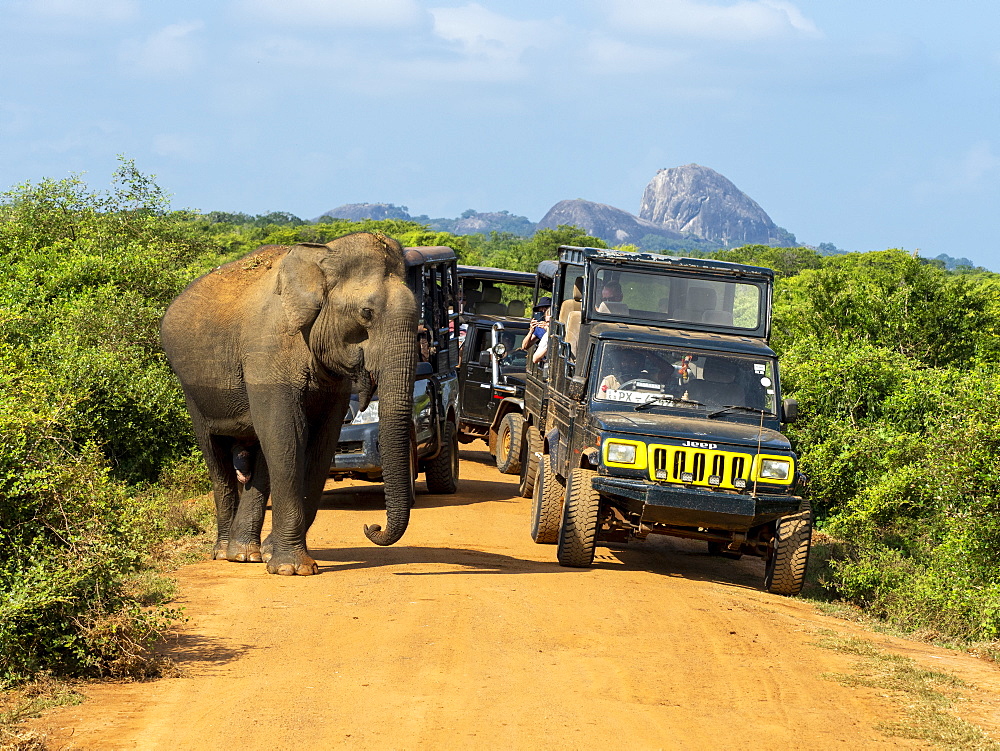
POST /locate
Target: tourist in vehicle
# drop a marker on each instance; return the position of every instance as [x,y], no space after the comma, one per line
[612,292]
[540,323]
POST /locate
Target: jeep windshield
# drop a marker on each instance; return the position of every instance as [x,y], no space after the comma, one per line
[705,382]
[676,299]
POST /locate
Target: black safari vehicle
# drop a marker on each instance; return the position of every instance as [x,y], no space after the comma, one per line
[658,411]
[492,371]
[431,274]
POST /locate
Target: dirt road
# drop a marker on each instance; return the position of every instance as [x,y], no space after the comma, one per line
[468,635]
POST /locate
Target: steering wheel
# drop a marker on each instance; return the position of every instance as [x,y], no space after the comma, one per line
[624,386]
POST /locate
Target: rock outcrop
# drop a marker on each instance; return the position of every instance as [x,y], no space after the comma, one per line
[358,211]
[612,225]
[482,223]
[698,201]
[682,208]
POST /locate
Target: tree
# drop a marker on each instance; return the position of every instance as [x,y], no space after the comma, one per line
[893,300]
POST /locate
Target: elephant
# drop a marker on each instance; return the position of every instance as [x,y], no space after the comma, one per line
[266,349]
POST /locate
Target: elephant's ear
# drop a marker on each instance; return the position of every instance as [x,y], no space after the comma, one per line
[302,285]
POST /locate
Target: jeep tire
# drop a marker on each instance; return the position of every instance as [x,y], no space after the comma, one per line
[509,444]
[785,572]
[578,534]
[531,448]
[442,470]
[547,506]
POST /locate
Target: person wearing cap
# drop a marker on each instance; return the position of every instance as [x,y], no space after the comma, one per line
[539,322]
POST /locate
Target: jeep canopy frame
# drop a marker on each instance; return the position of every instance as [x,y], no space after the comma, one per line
[431,275]
[695,294]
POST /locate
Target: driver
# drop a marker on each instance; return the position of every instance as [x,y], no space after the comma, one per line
[628,366]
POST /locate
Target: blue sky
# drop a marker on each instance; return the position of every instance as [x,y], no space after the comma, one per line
[869,125]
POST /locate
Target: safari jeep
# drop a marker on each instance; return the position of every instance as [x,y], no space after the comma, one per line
[658,411]
[492,369]
[431,274]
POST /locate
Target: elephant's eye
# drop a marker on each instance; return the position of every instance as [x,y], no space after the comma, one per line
[367,314]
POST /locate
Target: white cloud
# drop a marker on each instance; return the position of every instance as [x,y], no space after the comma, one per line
[173,50]
[969,172]
[330,13]
[483,34]
[743,21]
[177,146]
[611,57]
[15,118]
[979,163]
[89,10]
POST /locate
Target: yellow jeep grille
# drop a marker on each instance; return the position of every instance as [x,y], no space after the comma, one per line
[717,469]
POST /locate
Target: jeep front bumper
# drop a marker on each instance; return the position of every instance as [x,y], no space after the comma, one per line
[686,506]
[357,450]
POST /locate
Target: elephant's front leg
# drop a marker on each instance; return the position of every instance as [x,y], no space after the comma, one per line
[286,545]
[285,548]
[244,539]
[281,428]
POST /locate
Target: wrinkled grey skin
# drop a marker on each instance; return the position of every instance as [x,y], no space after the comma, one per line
[266,349]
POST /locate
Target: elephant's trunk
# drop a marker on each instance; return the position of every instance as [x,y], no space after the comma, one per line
[395,390]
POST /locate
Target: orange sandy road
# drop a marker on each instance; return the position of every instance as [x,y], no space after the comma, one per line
[468,635]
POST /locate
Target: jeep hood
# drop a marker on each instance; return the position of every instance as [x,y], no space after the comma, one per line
[654,427]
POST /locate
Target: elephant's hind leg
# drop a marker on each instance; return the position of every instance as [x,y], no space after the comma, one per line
[217,452]
[244,540]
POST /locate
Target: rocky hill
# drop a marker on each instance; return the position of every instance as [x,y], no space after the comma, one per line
[471,222]
[612,225]
[689,207]
[698,201]
[358,211]
[474,222]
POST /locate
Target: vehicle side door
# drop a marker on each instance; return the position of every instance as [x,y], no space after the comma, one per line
[477,369]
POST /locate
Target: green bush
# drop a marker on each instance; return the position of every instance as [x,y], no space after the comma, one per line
[901,461]
[89,415]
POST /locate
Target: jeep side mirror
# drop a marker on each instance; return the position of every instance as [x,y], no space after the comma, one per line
[790,409]
[484,358]
[424,369]
[577,388]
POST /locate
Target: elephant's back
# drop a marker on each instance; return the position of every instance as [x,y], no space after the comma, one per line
[219,300]
[234,280]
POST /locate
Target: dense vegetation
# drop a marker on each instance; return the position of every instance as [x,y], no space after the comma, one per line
[895,362]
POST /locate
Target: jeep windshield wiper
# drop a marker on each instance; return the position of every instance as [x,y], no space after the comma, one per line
[740,407]
[666,398]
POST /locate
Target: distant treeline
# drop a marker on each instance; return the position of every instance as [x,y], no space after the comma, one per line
[895,362]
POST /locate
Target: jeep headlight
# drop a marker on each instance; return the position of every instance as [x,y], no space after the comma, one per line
[621,453]
[368,415]
[775,469]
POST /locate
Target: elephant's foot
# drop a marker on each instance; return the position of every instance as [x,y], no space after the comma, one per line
[219,551]
[266,549]
[292,564]
[244,552]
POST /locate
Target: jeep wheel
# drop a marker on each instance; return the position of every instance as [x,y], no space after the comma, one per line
[786,564]
[547,509]
[442,470]
[531,449]
[578,533]
[509,444]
